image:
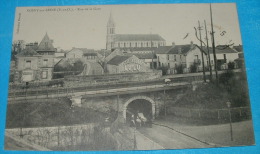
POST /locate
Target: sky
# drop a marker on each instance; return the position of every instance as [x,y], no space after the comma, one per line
[85,26]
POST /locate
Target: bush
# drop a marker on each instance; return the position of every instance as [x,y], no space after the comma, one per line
[163,69]
[61,71]
[179,69]
[231,65]
[194,68]
[236,86]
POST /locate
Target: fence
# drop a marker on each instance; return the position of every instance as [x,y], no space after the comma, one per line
[237,113]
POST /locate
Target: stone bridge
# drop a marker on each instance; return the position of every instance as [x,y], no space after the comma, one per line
[150,101]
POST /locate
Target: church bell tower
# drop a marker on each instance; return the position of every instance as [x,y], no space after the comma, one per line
[110,33]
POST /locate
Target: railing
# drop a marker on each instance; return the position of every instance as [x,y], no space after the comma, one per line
[212,114]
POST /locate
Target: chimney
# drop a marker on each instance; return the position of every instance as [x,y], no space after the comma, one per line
[179,50]
[35,45]
[191,44]
[173,44]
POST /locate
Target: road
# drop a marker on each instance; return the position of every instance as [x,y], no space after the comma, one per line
[169,139]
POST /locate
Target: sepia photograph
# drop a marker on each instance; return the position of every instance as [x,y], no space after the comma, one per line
[127,77]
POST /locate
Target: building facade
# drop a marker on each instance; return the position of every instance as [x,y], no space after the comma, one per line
[180,58]
[126,64]
[35,62]
[114,40]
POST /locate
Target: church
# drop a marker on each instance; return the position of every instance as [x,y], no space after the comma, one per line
[120,41]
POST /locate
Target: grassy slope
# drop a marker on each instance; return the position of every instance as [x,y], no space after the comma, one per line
[205,96]
[52,113]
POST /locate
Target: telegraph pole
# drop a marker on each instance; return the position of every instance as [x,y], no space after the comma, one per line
[152,51]
[213,45]
[202,56]
[209,63]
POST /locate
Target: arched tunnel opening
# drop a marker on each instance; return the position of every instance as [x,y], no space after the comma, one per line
[137,107]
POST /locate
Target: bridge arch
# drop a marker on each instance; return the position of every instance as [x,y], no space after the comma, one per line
[139,98]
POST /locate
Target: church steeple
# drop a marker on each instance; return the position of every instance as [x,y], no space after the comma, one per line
[110,32]
[111,22]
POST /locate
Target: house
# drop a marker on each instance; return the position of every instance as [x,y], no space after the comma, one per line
[92,68]
[116,52]
[240,60]
[84,53]
[45,47]
[180,58]
[35,62]
[126,64]
[33,67]
[171,57]
[74,53]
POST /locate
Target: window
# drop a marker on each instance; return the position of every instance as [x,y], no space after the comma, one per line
[147,44]
[174,57]
[44,74]
[28,64]
[135,44]
[168,57]
[45,62]
[169,65]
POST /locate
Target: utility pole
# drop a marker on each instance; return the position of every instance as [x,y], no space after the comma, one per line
[213,45]
[152,51]
[202,56]
[209,63]
[164,102]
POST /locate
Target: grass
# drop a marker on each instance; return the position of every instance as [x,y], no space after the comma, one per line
[52,112]
[206,96]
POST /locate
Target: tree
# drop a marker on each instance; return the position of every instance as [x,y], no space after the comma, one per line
[179,69]
[17,47]
[194,67]
[231,65]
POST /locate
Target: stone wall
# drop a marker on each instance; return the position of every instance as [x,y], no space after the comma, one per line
[107,79]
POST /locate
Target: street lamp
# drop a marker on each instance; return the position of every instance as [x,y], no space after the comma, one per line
[230,121]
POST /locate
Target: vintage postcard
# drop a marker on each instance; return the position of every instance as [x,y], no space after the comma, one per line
[127,77]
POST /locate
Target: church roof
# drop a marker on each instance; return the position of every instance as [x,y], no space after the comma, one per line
[138,37]
[118,60]
[46,44]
